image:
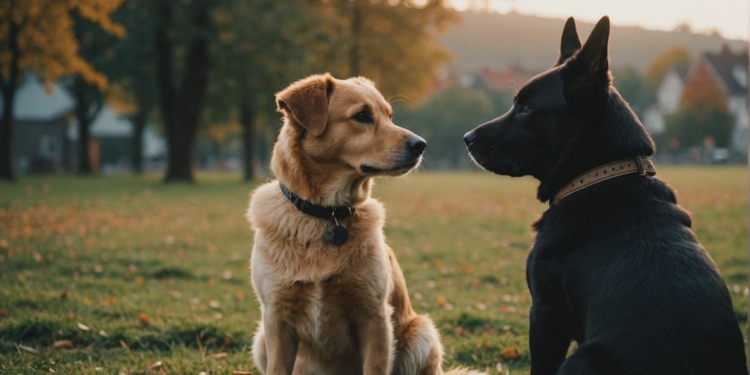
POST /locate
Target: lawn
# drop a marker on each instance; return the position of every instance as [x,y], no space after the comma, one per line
[115,275]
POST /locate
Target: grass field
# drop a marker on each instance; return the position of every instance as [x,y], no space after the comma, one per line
[123,275]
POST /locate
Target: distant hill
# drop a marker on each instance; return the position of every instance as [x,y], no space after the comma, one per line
[494,40]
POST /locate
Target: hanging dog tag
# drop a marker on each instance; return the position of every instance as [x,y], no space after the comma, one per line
[338,235]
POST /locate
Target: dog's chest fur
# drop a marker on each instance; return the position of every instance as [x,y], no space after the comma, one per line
[316,286]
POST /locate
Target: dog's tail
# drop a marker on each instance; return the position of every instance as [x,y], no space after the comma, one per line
[464,371]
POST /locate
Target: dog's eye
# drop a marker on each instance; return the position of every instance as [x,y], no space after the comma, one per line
[525,108]
[363,116]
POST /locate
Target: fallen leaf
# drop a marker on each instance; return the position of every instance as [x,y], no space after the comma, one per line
[64,296]
[111,300]
[27,348]
[509,353]
[219,355]
[83,327]
[240,295]
[214,304]
[145,319]
[63,344]
[441,301]
[156,365]
[103,334]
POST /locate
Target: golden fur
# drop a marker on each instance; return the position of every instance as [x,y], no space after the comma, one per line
[330,309]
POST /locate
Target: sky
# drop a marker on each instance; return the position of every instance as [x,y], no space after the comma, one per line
[730,17]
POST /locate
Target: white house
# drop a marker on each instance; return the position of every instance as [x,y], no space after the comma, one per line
[46,134]
[668,97]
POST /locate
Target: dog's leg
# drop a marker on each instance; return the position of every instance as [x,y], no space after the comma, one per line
[548,340]
[375,335]
[282,344]
[260,355]
[418,348]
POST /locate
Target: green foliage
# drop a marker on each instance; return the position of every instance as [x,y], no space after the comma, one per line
[691,128]
[631,86]
[444,118]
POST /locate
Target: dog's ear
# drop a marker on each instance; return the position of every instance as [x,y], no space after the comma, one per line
[587,72]
[305,102]
[569,42]
[594,52]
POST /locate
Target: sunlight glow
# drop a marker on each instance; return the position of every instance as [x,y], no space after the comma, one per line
[729,17]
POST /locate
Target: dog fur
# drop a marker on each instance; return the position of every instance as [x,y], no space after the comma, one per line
[615,266]
[330,309]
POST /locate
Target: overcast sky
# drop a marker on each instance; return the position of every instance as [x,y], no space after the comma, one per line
[730,17]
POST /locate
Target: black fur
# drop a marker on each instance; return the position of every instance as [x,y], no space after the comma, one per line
[614,267]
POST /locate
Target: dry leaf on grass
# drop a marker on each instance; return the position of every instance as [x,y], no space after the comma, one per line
[157,365]
[219,355]
[83,327]
[145,319]
[27,348]
[509,353]
[63,344]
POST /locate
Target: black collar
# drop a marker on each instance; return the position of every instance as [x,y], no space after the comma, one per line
[315,210]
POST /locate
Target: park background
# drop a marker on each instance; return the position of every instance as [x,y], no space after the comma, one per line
[132,133]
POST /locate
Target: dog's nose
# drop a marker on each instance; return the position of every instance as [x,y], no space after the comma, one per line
[470,137]
[416,144]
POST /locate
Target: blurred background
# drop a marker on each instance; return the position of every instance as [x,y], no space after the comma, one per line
[105,269]
[120,87]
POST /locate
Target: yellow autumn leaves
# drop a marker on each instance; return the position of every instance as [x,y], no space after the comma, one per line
[46,38]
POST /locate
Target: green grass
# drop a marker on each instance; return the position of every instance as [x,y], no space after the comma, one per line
[133,271]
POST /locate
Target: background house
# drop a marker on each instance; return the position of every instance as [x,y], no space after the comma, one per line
[668,97]
[42,117]
[726,72]
[45,135]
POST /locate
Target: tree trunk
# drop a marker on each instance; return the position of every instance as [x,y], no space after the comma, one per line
[89,103]
[182,126]
[6,135]
[84,161]
[9,95]
[139,125]
[356,30]
[247,120]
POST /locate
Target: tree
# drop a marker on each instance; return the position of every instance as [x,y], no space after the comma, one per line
[391,42]
[187,27]
[673,57]
[38,36]
[95,48]
[630,85]
[133,71]
[692,128]
[262,46]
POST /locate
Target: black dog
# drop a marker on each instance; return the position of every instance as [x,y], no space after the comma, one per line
[615,265]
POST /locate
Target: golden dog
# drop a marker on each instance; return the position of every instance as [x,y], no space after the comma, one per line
[330,306]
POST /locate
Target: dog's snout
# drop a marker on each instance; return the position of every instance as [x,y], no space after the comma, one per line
[416,144]
[470,137]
